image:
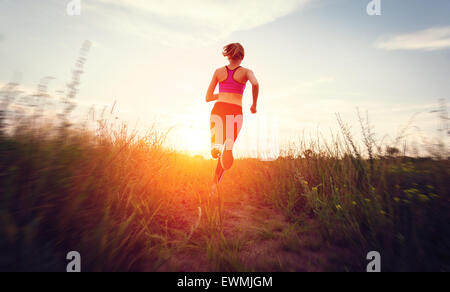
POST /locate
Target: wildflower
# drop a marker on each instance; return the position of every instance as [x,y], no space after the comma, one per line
[406,202]
[434,196]
[382,212]
[314,189]
[411,192]
[423,198]
[372,188]
[354,203]
[430,187]
[305,182]
[338,207]
[408,167]
[367,200]
[397,199]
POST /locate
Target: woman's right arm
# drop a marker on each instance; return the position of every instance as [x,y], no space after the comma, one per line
[210,96]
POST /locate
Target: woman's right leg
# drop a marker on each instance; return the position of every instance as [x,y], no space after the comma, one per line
[227,158]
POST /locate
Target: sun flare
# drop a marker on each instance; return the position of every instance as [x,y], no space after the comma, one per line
[194,140]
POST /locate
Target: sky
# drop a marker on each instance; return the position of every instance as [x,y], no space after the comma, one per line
[313,59]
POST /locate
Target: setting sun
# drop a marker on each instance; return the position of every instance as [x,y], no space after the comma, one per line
[194,140]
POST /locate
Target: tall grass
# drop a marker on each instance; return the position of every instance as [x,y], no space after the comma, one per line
[379,200]
[126,203]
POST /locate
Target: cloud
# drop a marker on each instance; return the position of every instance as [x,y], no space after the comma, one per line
[198,22]
[2,37]
[432,39]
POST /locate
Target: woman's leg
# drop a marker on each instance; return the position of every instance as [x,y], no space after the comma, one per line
[216,145]
[226,123]
[219,171]
[227,158]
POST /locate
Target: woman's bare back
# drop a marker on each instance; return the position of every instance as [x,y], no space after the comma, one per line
[241,74]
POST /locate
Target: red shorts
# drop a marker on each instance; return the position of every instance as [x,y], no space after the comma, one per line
[226,123]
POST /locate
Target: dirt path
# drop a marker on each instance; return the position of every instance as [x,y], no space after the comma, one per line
[256,237]
[271,243]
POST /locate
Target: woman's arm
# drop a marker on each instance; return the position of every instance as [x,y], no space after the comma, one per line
[210,96]
[255,90]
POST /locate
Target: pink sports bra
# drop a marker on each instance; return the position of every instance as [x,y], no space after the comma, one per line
[230,85]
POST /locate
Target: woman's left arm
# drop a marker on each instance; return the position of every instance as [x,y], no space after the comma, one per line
[210,96]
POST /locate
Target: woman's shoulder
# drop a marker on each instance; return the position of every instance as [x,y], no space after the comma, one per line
[221,70]
[246,70]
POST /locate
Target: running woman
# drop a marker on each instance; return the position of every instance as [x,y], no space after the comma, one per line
[226,116]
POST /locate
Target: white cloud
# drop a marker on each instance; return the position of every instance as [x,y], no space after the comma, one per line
[432,39]
[197,22]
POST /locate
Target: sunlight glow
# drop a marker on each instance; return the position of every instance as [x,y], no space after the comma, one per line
[194,140]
